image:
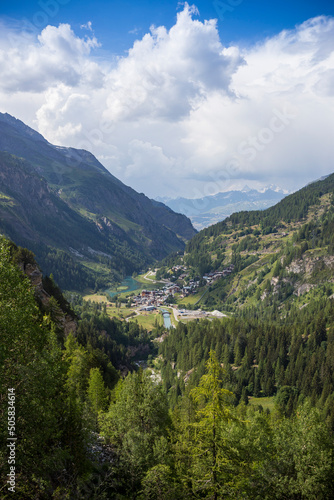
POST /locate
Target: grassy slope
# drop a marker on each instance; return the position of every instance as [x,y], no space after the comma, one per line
[267,246]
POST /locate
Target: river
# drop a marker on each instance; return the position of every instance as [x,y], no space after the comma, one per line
[167,320]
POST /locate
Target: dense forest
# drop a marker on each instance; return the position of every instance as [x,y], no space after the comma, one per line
[90,425]
[60,382]
[260,357]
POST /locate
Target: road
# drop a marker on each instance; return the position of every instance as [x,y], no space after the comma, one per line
[175,311]
[148,279]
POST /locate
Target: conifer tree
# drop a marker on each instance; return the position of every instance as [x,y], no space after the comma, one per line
[213,411]
[97,393]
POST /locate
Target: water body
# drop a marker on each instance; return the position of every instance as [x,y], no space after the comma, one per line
[129,284]
[167,320]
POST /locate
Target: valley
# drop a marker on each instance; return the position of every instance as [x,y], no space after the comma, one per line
[83,224]
[166,250]
[157,338]
[242,316]
[244,269]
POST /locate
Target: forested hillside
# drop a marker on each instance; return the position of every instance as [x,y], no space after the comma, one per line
[282,256]
[90,425]
[32,215]
[59,369]
[261,356]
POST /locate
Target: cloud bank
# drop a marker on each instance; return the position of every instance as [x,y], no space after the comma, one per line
[181,114]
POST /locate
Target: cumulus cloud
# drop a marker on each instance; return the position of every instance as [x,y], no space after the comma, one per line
[181,114]
[167,72]
[56,56]
[280,126]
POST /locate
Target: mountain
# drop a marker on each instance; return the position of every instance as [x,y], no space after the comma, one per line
[282,257]
[209,210]
[64,205]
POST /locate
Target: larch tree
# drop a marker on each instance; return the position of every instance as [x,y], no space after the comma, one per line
[213,412]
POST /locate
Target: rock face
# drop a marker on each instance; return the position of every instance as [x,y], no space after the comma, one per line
[36,277]
[308,265]
[329,261]
[304,289]
[65,321]
[305,268]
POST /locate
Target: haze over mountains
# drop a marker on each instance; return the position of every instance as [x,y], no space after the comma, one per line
[212,209]
[56,199]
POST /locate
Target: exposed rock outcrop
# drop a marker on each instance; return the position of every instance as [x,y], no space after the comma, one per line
[65,321]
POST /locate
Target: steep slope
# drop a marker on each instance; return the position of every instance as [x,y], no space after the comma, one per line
[83,182]
[34,217]
[281,256]
[64,199]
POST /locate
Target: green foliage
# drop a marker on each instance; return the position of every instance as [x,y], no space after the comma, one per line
[304,462]
[31,363]
[193,435]
[108,339]
[158,483]
[136,425]
[97,394]
[268,352]
[213,411]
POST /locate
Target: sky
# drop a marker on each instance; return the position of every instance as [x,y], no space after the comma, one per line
[177,99]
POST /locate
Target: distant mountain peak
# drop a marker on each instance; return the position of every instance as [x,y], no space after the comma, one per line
[274,188]
[211,209]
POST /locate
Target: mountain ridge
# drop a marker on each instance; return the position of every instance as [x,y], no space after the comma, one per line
[119,220]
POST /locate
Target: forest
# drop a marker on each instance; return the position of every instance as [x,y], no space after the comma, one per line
[90,424]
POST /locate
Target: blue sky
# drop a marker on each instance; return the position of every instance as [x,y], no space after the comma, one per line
[118,23]
[172,102]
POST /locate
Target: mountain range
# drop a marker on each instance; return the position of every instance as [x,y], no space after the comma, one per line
[208,210]
[83,224]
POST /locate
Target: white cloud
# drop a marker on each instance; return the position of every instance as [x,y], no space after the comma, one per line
[166,72]
[88,26]
[56,56]
[150,167]
[180,113]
